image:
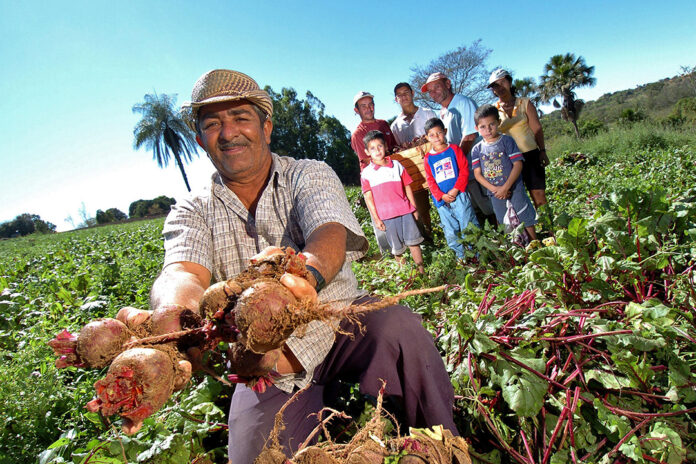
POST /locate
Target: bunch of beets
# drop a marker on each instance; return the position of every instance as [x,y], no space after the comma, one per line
[146,351]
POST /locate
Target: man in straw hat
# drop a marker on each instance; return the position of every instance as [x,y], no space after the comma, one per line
[258,201]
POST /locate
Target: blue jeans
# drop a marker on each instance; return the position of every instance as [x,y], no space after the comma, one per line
[454,218]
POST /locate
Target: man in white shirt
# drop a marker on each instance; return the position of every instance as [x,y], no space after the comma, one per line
[409,124]
[406,127]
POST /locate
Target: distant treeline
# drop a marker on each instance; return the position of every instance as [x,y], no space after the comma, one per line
[138,209]
[25,224]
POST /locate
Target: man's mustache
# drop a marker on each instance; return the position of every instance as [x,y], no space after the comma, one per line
[227,146]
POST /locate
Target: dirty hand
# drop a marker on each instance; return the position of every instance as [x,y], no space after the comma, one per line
[298,285]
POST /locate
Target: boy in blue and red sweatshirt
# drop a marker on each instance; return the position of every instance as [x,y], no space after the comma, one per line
[447,173]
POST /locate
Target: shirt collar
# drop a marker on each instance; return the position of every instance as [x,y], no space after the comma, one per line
[389,164]
[276,177]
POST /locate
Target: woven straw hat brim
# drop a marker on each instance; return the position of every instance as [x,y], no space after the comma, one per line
[259,97]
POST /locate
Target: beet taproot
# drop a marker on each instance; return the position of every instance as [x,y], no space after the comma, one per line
[95,346]
[138,383]
[264,315]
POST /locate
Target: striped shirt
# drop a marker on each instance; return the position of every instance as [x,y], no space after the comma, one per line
[215,230]
[386,182]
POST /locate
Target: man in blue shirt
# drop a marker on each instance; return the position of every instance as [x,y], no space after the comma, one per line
[457,113]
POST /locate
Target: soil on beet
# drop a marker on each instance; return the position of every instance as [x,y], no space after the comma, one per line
[101,341]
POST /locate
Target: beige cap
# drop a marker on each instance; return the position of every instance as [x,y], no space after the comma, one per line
[432,78]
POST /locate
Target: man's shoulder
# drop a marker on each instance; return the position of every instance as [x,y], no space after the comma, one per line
[462,100]
[289,167]
[426,112]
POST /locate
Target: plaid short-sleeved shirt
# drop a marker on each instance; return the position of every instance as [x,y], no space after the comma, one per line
[215,230]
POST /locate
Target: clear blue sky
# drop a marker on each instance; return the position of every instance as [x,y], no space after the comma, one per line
[72,70]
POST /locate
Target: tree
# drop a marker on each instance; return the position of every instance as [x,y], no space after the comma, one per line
[25,224]
[163,131]
[110,215]
[562,75]
[688,73]
[155,207]
[87,221]
[466,69]
[301,129]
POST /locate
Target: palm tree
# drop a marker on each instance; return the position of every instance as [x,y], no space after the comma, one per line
[163,131]
[562,75]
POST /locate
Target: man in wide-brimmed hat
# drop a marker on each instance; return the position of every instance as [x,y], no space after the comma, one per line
[258,201]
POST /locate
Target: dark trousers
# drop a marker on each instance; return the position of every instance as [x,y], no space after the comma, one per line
[394,347]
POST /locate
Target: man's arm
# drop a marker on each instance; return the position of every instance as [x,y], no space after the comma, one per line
[467,143]
[181,283]
[325,250]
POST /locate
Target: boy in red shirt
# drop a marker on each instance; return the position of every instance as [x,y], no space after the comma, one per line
[447,173]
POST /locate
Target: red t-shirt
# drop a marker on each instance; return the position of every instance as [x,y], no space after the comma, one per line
[356,140]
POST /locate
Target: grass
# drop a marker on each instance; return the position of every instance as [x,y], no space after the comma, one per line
[623,140]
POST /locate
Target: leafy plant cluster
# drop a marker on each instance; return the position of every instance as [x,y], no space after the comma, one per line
[580,350]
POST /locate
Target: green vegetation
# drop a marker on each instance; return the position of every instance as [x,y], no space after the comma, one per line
[624,140]
[655,100]
[594,332]
[667,104]
[155,207]
[301,129]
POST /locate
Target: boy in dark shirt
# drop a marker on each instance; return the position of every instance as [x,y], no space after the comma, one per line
[497,164]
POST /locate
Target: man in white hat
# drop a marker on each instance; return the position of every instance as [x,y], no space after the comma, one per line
[256,202]
[457,113]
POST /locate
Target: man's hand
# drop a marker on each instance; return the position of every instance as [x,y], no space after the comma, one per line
[544,158]
[298,286]
[380,225]
[415,215]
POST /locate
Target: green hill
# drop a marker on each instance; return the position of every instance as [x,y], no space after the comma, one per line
[669,102]
[654,100]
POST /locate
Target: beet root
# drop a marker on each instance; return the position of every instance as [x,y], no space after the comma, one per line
[264,316]
[138,383]
[95,346]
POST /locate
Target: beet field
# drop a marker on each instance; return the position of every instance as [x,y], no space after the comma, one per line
[580,348]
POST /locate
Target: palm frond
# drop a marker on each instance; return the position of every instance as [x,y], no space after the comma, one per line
[163,131]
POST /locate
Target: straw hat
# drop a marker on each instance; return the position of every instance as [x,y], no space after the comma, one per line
[220,85]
